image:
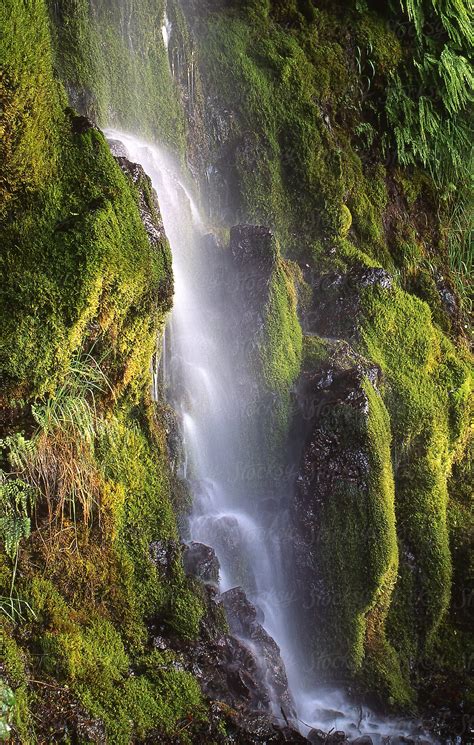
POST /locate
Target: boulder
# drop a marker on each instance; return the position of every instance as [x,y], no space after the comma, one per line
[335,309]
[200,561]
[243,621]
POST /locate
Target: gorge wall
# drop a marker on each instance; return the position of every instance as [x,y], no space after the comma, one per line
[330,125]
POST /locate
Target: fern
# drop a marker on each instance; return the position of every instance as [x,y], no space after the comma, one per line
[16,501]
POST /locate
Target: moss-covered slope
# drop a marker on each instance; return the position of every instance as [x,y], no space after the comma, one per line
[86,487]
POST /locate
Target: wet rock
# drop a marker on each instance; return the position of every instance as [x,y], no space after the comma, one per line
[148,200]
[258,729]
[332,485]
[364,740]
[226,535]
[335,309]
[337,737]
[242,619]
[371,276]
[201,561]
[254,245]
[60,717]
[318,737]
[228,671]
[327,715]
[79,123]
[118,149]
[164,554]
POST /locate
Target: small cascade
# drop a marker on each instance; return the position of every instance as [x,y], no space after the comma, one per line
[198,376]
[166,30]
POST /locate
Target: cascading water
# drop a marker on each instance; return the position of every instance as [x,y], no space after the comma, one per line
[208,396]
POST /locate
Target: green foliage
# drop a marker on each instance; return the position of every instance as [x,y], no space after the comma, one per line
[7,703]
[16,500]
[57,463]
[14,700]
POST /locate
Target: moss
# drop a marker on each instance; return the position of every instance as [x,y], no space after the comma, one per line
[357,548]
[13,671]
[141,514]
[90,228]
[90,656]
[426,392]
[382,45]
[315,351]
[73,238]
[280,353]
[115,67]
[345,221]
[32,104]
[83,275]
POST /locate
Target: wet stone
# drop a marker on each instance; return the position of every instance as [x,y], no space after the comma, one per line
[200,561]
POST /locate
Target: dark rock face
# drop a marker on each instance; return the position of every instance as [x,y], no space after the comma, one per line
[118,149]
[200,561]
[253,245]
[336,300]
[254,254]
[79,123]
[148,203]
[334,472]
[242,618]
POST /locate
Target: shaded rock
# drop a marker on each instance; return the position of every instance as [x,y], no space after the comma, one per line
[256,729]
[201,561]
[332,494]
[254,245]
[364,740]
[335,309]
[318,737]
[227,536]
[228,671]
[79,123]
[242,619]
[148,200]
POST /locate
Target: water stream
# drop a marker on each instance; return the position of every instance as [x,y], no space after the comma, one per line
[201,381]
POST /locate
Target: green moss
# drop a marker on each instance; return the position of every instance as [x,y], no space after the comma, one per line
[13,676]
[280,354]
[142,513]
[426,393]
[345,221]
[90,657]
[115,66]
[357,548]
[315,351]
[73,238]
[31,116]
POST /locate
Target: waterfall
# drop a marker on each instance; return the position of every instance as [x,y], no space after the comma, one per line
[197,372]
